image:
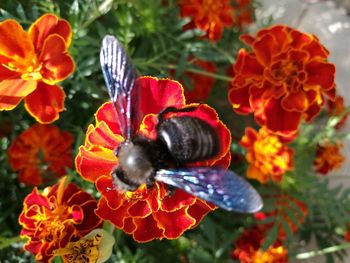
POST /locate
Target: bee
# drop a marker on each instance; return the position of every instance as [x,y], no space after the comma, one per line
[181,140]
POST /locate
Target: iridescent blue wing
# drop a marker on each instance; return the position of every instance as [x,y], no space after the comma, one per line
[221,187]
[120,77]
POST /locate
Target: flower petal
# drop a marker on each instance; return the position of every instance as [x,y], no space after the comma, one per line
[45,103]
[15,44]
[93,162]
[174,223]
[160,94]
[12,92]
[46,25]
[57,64]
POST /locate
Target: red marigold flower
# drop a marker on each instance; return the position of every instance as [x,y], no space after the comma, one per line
[283,202]
[283,79]
[201,84]
[248,248]
[267,156]
[41,154]
[32,63]
[208,15]
[328,157]
[147,213]
[337,108]
[60,214]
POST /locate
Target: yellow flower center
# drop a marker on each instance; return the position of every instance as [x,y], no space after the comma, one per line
[52,222]
[29,71]
[289,73]
[267,154]
[85,251]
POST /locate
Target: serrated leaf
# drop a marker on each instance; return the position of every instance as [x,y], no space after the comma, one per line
[271,237]
[291,215]
[21,13]
[287,229]
[181,65]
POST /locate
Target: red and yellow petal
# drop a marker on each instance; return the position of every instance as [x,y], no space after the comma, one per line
[146,229]
[57,64]
[95,161]
[46,25]
[45,103]
[107,113]
[13,91]
[160,94]
[15,45]
[174,223]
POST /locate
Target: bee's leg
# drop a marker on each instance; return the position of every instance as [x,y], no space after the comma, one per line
[171,190]
[175,110]
[149,182]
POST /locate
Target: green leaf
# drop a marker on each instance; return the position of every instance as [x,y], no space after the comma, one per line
[271,237]
[8,241]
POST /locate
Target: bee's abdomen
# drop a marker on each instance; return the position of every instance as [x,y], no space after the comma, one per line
[188,139]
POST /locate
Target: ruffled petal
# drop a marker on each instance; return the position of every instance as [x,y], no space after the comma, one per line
[57,64]
[45,103]
[46,25]
[93,162]
[15,45]
[160,94]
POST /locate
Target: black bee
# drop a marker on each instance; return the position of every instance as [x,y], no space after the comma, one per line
[180,140]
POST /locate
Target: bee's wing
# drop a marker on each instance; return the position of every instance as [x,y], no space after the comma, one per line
[120,76]
[221,187]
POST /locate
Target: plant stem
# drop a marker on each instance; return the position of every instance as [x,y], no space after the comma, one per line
[327,250]
[193,70]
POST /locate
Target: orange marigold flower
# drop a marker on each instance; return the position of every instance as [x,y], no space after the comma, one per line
[283,79]
[201,84]
[32,63]
[248,248]
[210,16]
[41,154]
[95,247]
[328,157]
[60,214]
[267,156]
[337,108]
[147,213]
[284,202]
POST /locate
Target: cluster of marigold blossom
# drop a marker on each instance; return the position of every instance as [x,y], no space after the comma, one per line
[284,79]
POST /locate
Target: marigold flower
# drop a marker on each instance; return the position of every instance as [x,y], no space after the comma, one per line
[267,156]
[147,213]
[51,219]
[337,108]
[41,154]
[210,16]
[95,247]
[283,79]
[248,248]
[32,63]
[284,202]
[201,84]
[328,157]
